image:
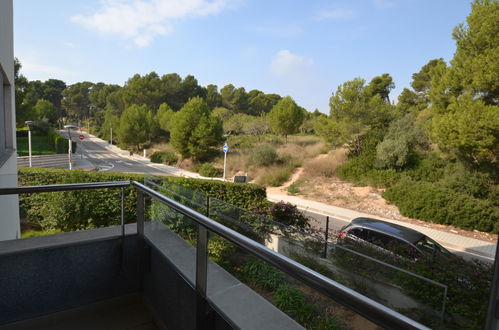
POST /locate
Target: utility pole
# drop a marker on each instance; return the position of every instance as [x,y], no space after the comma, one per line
[29,123]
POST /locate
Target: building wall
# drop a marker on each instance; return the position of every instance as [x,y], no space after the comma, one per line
[9,205]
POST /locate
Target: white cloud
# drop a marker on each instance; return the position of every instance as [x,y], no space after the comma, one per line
[34,70]
[336,14]
[287,63]
[143,20]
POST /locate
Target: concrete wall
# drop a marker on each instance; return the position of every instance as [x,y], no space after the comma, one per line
[43,275]
[9,205]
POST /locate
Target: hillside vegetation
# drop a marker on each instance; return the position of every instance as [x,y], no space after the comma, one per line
[434,151]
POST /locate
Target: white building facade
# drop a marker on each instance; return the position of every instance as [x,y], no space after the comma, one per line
[9,205]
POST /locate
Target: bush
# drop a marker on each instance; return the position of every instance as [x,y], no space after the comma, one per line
[264,155]
[74,210]
[430,169]
[46,144]
[289,215]
[208,170]
[101,207]
[436,203]
[292,302]
[220,250]
[262,274]
[275,176]
[164,157]
[243,195]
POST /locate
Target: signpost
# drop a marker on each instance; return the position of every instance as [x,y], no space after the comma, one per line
[225,149]
[81,137]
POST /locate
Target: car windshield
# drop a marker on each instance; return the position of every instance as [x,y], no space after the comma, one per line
[428,245]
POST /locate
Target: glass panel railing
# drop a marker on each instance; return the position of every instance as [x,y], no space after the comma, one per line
[303,304]
[440,295]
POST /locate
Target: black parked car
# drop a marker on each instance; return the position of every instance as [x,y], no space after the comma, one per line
[391,239]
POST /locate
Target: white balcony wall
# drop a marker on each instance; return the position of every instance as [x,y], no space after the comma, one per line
[9,205]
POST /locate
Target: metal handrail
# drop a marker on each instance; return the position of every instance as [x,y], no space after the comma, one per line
[362,305]
[63,187]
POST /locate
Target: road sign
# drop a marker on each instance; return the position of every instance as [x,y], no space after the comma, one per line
[226,148]
[81,137]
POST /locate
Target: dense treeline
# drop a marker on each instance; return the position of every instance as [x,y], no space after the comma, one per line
[150,108]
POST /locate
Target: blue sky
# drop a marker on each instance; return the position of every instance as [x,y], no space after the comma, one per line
[304,49]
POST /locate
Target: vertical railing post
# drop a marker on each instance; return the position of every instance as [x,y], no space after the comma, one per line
[140,213]
[122,223]
[140,233]
[201,278]
[324,255]
[208,206]
[122,220]
[493,308]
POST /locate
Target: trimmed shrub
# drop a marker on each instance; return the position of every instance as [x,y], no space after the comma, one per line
[209,171]
[101,207]
[164,157]
[436,203]
[74,210]
[289,215]
[243,195]
[264,155]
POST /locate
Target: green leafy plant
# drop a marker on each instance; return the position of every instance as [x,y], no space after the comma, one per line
[164,157]
[210,171]
[288,214]
[293,302]
[264,155]
[262,274]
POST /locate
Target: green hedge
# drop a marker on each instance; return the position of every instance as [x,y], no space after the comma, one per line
[50,143]
[436,203]
[84,209]
[74,210]
[243,195]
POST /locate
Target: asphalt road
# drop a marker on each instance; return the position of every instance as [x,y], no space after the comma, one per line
[106,160]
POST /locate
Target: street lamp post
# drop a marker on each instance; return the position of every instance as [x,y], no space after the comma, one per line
[69,127]
[29,123]
[111,135]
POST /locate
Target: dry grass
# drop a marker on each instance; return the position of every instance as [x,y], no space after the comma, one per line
[301,153]
[274,176]
[324,165]
[160,147]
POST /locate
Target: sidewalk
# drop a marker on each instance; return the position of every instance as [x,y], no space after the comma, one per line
[452,241]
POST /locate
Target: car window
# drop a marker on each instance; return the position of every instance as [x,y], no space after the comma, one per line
[428,245]
[379,239]
[403,249]
[359,232]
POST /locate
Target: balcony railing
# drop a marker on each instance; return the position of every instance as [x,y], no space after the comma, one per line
[370,309]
